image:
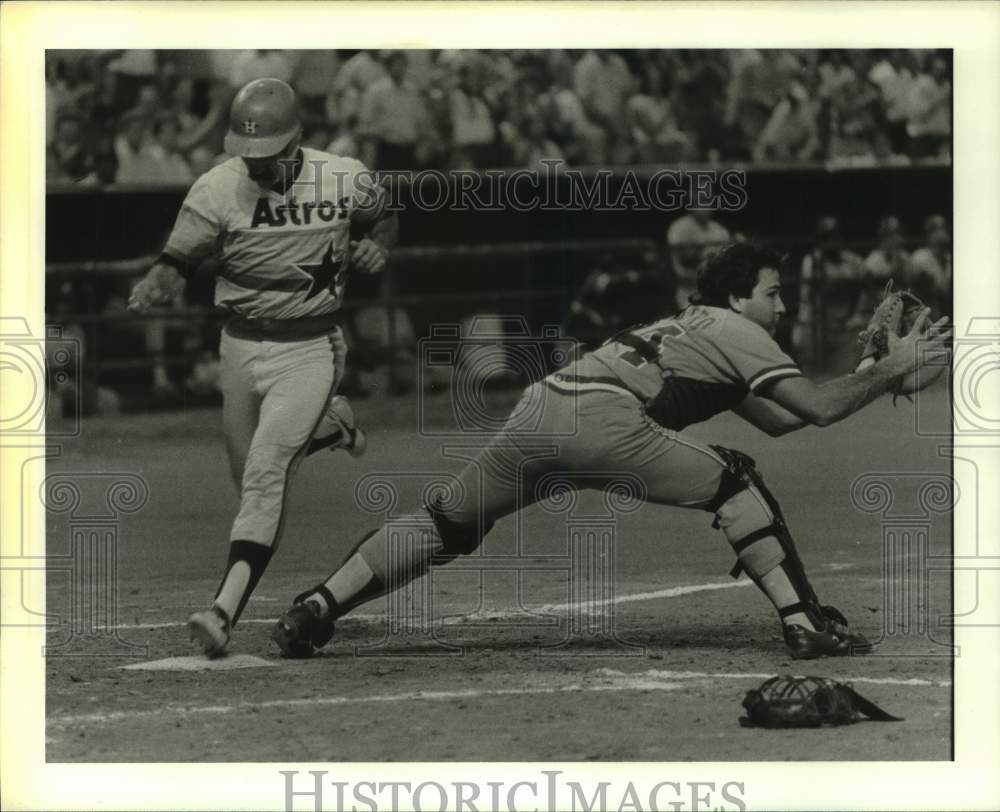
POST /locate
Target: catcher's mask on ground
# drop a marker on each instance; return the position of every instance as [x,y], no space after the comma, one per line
[263,120]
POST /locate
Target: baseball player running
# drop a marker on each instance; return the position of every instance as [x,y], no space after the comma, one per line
[620,409]
[280,218]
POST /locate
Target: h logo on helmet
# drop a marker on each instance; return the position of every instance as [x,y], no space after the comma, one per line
[250,126]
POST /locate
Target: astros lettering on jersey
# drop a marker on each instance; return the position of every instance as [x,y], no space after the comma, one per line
[282,255]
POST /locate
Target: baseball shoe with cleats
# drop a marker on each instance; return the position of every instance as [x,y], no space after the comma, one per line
[339,429]
[300,631]
[807,644]
[210,629]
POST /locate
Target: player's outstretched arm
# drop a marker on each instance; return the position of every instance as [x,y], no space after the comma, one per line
[160,285]
[823,405]
[768,416]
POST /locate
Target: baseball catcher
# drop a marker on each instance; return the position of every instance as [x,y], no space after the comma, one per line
[622,408]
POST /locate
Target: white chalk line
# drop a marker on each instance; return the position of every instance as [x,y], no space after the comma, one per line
[658,673]
[472,617]
[601,680]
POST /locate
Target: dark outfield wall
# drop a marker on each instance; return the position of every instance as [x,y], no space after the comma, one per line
[88,224]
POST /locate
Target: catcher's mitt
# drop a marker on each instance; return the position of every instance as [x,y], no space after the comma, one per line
[896,314]
[808,702]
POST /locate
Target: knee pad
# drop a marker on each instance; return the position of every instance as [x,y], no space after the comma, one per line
[752,520]
[457,538]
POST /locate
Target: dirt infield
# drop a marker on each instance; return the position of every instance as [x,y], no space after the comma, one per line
[497,659]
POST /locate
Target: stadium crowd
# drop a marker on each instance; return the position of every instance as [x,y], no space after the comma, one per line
[141,116]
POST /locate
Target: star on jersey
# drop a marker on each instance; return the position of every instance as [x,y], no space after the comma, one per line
[324,274]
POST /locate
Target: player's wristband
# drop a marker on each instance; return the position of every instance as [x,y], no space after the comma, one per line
[185,269]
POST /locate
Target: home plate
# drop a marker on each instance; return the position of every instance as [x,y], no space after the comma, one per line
[192,663]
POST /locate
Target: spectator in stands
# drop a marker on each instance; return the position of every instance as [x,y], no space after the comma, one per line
[580,140]
[889,260]
[656,137]
[125,73]
[603,84]
[473,134]
[392,120]
[699,102]
[149,104]
[757,83]
[133,150]
[359,72]
[791,132]
[196,131]
[313,77]
[342,139]
[172,166]
[67,91]
[894,76]
[929,124]
[690,239]
[256,64]
[68,157]
[614,296]
[830,282]
[525,139]
[854,120]
[930,266]
[181,104]
[156,159]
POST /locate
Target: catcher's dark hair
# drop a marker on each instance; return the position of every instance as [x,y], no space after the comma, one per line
[733,271]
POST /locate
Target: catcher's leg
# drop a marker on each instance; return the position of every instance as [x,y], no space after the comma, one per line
[493,485]
[751,518]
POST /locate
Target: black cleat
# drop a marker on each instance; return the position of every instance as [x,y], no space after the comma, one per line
[300,631]
[834,641]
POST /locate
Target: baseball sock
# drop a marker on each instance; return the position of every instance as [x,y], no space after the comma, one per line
[382,562]
[247,562]
[781,592]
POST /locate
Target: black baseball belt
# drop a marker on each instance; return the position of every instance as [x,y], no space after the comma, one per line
[301,329]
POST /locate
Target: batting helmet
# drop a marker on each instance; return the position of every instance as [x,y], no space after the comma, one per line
[264,118]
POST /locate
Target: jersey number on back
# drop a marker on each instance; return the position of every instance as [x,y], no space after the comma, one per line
[663,331]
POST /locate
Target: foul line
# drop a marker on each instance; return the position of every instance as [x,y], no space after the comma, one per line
[610,681]
[671,592]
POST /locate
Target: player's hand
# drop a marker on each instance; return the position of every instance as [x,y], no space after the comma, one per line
[150,291]
[368,256]
[925,342]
